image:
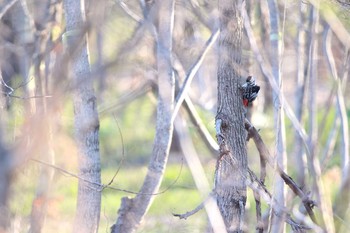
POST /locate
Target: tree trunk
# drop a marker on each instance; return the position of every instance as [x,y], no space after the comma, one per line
[23,27]
[277,223]
[42,14]
[264,32]
[298,153]
[231,167]
[45,153]
[5,181]
[314,166]
[86,121]
[133,210]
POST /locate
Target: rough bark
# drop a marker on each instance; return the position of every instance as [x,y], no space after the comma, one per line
[133,210]
[231,167]
[86,121]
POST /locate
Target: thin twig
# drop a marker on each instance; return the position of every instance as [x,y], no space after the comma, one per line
[208,140]
[101,187]
[266,70]
[192,212]
[7,7]
[128,11]
[333,20]
[260,223]
[125,99]
[202,129]
[198,174]
[192,72]
[277,208]
[26,98]
[123,152]
[13,89]
[341,108]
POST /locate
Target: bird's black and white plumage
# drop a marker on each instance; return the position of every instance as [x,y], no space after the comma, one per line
[249,91]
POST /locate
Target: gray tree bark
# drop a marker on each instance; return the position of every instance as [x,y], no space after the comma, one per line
[231,167]
[86,120]
[133,210]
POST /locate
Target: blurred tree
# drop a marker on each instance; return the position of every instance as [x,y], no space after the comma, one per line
[136,53]
[43,17]
[132,211]
[86,120]
[277,223]
[6,172]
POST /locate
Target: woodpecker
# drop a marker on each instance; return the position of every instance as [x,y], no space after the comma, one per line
[249,91]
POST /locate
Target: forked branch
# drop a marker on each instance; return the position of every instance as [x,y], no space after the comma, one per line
[265,154]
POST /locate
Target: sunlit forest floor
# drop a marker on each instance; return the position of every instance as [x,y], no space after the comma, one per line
[178,193]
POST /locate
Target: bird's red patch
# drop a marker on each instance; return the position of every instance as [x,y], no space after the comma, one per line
[245,102]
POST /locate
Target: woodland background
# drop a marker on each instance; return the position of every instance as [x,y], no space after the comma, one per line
[39,166]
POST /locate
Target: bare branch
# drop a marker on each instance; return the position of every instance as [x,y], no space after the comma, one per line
[194,116]
[277,208]
[198,174]
[192,212]
[341,108]
[128,11]
[336,25]
[100,187]
[203,131]
[191,73]
[123,151]
[266,70]
[6,8]
[125,99]
[264,152]
[26,98]
[133,210]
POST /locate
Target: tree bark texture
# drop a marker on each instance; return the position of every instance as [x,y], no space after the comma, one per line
[133,210]
[86,121]
[231,167]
